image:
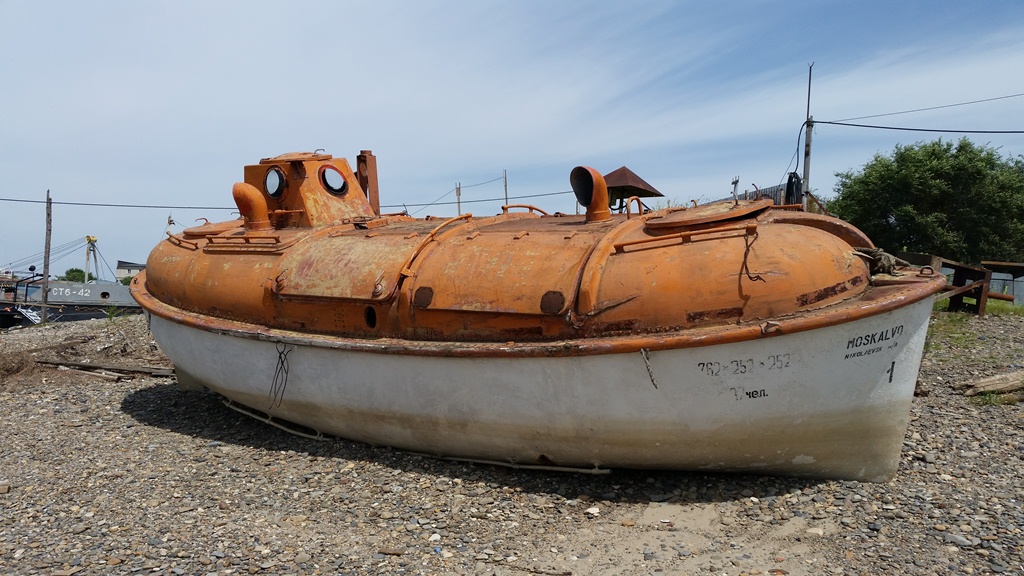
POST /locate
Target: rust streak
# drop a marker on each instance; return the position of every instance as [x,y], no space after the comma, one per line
[711,315]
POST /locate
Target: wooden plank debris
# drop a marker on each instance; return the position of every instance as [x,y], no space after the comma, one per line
[91,366]
[998,384]
[65,344]
[104,375]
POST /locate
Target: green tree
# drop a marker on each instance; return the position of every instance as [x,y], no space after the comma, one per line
[957,200]
[75,275]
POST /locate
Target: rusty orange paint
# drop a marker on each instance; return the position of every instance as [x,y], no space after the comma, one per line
[313,254]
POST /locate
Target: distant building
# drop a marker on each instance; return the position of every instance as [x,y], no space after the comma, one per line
[128,269]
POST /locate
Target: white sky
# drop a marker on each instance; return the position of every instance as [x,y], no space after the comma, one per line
[163,103]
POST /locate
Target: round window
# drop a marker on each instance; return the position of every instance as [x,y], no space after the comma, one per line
[333,181]
[274,182]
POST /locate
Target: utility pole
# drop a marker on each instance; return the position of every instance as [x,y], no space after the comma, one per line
[458,197]
[809,124]
[807,160]
[46,256]
[504,176]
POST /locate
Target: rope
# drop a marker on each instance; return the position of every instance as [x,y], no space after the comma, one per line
[280,383]
[645,353]
[749,240]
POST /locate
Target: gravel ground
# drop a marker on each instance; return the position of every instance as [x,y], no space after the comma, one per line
[139,477]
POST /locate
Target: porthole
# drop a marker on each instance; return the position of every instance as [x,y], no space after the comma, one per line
[274,182]
[332,180]
[370,315]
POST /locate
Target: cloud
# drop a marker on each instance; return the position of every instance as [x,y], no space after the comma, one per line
[164,103]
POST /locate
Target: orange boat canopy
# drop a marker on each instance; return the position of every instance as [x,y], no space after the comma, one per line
[311,252]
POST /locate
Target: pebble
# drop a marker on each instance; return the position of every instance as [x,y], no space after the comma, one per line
[139,477]
[958,540]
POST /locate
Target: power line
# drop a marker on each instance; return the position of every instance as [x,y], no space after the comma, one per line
[56,253]
[923,129]
[163,207]
[443,196]
[502,199]
[795,160]
[482,183]
[101,205]
[929,108]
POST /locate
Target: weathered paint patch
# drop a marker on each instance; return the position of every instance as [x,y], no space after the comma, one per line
[836,289]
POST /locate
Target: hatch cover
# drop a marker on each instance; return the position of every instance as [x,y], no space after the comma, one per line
[706,213]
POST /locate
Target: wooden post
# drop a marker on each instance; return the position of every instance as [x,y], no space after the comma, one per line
[46,256]
[807,141]
[807,161]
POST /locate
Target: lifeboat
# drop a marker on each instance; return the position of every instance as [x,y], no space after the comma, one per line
[734,336]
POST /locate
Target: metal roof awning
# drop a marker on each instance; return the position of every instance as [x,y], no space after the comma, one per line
[623,183]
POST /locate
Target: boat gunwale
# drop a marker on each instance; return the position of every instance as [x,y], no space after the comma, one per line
[878,299]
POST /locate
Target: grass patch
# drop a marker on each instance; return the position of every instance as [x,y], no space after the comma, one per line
[1003,308]
[951,328]
[992,306]
[113,313]
[995,399]
[954,327]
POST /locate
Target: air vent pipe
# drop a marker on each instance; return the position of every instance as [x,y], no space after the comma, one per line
[591,192]
[252,206]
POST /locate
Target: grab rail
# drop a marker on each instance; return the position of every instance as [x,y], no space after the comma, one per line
[406,271]
[639,207]
[748,229]
[530,207]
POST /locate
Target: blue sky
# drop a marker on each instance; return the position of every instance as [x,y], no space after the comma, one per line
[164,102]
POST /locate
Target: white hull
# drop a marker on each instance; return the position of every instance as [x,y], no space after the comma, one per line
[830,402]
